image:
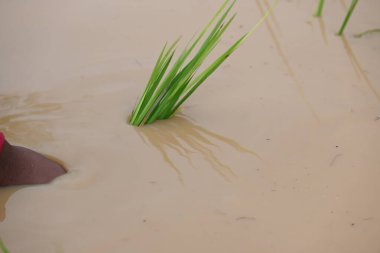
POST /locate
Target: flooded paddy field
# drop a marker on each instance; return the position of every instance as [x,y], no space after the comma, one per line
[279,151]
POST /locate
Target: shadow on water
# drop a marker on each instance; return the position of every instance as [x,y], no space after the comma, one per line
[23,118]
[289,68]
[322,27]
[358,68]
[5,194]
[343,4]
[273,16]
[188,140]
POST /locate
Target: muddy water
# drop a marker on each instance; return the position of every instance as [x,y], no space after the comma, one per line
[278,152]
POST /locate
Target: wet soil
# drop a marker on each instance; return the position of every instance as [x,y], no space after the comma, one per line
[277,152]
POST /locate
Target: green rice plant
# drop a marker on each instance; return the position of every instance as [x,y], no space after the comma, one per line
[168,88]
[3,248]
[319,10]
[348,15]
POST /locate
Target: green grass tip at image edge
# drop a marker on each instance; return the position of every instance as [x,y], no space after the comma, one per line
[3,248]
[168,88]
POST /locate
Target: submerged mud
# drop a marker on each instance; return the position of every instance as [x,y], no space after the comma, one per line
[277,152]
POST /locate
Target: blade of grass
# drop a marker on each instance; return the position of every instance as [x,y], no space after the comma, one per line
[141,100]
[158,71]
[318,12]
[150,91]
[347,18]
[169,104]
[207,72]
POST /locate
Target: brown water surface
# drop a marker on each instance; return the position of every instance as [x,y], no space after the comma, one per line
[278,152]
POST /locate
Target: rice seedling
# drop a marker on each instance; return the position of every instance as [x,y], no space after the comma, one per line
[347,18]
[167,89]
[319,10]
